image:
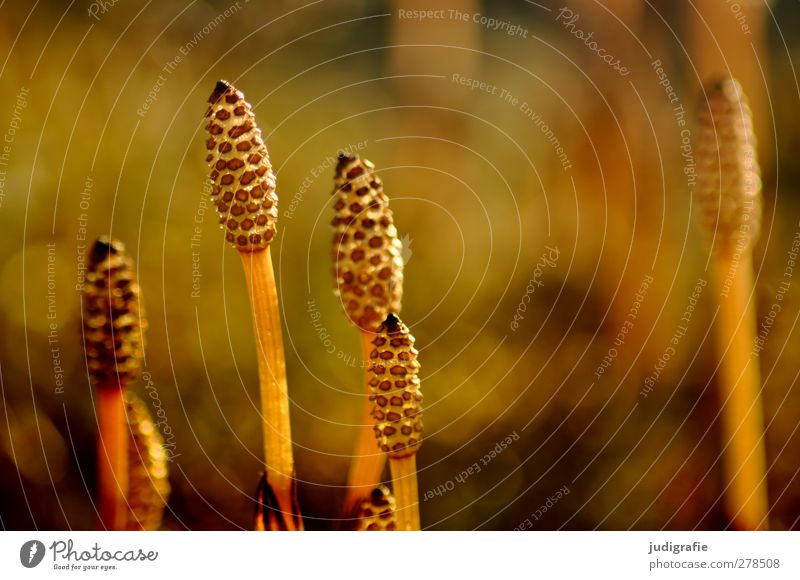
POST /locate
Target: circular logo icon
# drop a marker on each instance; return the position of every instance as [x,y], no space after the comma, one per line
[31,553]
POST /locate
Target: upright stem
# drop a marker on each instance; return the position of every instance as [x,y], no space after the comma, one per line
[272,380]
[368,461]
[112,457]
[406,494]
[744,458]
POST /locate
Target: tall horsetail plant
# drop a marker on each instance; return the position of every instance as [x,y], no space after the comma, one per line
[729,211]
[243,189]
[148,487]
[113,328]
[397,413]
[368,269]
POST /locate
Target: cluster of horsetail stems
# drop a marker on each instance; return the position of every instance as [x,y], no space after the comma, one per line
[243,189]
[113,327]
[397,413]
[729,203]
[368,270]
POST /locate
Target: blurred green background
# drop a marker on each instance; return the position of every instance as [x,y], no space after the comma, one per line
[102,115]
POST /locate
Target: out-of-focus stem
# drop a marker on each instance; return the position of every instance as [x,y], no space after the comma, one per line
[729,206]
[112,458]
[744,457]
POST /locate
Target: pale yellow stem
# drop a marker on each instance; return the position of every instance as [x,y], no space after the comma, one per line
[406,494]
[272,380]
[368,461]
[744,459]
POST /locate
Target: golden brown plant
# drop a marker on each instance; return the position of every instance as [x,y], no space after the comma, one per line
[243,188]
[368,269]
[397,412]
[729,207]
[113,327]
[149,487]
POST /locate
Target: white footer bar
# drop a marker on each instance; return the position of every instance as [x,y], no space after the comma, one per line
[331,555]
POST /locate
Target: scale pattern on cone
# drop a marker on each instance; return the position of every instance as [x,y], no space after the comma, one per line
[728,191]
[148,487]
[395,393]
[368,263]
[114,322]
[377,512]
[243,184]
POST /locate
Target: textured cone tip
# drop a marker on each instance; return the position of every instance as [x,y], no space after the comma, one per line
[113,317]
[395,390]
[392,323]
[377,512]
[242,181]
[220,89]
[104,247]
[366,251]
[727,86]
[728,189]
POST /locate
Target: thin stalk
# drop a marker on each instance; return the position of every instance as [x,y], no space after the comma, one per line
[272,381]
[112,458]
[744,457]
[406,493]
[366,467]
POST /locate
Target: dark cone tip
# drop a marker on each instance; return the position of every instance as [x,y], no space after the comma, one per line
[220,89]
[103,248]
[715,84]
[378,496]
[392,323]
[722,85]
[345,158]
